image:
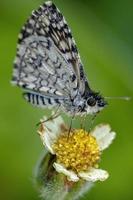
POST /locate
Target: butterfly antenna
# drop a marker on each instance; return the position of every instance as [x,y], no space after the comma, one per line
[126,98]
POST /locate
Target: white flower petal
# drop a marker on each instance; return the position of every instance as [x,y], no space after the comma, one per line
[100,131]
[70,174]
[94,175]
[54,125]
[103,135]
[50,131]
[107,140]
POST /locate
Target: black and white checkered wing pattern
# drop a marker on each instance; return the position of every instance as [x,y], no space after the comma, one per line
[47,60]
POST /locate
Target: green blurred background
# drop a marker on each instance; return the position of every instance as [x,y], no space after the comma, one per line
[104,34]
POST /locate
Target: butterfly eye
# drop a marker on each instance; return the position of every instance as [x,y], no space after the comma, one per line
[91,101]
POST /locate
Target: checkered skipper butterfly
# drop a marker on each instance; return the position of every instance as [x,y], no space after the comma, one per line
[48,65]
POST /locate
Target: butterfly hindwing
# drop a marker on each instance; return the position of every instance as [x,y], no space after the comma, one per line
[47,59]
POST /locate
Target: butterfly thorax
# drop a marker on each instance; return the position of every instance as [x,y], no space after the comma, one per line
[89,103]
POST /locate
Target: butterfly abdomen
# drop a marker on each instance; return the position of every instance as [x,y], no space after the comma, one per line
[39,100]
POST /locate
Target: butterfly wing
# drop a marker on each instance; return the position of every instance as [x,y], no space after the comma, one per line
[47,59]
[58,30]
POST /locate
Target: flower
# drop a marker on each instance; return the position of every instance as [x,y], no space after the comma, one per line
[77,152]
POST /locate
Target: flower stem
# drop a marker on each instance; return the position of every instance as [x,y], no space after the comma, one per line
[55,186]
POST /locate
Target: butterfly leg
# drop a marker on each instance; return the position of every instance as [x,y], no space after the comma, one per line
[53,116]
[70,127]
[82,122]
[92,121]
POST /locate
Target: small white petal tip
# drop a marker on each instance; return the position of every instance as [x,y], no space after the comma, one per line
[94,175]
[103,135]
[49,131]
[70,174]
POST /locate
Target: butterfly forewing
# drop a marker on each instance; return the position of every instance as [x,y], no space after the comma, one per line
[47,58]
[48,65]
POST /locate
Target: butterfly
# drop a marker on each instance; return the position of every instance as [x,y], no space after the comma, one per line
[48,66]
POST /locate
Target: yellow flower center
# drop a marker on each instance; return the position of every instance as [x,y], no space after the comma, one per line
[79,151]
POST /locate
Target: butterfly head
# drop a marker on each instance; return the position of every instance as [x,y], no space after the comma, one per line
[94,103]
